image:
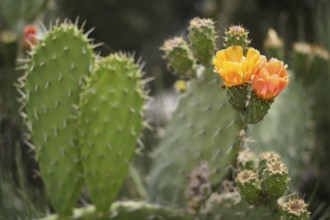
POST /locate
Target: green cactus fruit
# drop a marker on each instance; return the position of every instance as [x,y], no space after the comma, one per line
[238,96]
[249,187]
[202,38]
[110,119]
[53,79]
[274,180]
[236,35]
[129,210]
[247,160]
[179,57]
[203,128]
[295,209]
[266,157]
[257,109]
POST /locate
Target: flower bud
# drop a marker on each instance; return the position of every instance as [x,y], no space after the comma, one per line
[246,160]
[236,35]
[295,209]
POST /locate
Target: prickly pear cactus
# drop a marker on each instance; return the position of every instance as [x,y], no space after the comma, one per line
[52,84]
[111,118]
[203,129]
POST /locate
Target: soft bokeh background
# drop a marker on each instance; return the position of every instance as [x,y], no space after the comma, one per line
[140,27]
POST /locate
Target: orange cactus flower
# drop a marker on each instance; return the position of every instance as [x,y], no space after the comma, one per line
[29,37]
[270,79]
[233,67]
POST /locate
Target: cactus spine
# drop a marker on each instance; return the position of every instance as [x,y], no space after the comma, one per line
[52,84]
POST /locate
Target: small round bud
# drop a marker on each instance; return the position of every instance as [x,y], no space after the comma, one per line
[249,186]
[236,35]
[295,209]
[247,160]
[274,180]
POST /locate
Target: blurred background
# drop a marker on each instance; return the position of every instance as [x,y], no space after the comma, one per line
[140,27]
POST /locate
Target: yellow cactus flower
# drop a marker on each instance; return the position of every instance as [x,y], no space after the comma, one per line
[270,79]
[234,68]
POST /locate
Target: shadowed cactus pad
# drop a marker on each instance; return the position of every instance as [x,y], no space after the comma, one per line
[128,211]
[203,129]
[111,119]
[53,81]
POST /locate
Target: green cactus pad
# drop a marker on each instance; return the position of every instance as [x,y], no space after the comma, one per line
[249,187]
[111,119]
[257,109]
[202,38]
[129,210]
[274,180]
[238,96]
[53,81]
[203,128]
[179,57]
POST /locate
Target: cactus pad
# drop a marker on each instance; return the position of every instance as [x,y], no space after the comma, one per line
[53,80]
[203,129]
[111,119]
[202,38]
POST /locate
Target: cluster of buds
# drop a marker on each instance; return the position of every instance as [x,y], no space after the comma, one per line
[199,188]
[264,183]
[185,57]
[242,69]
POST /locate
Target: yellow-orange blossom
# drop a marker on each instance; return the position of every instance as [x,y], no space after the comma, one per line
[233,67]
[269,79]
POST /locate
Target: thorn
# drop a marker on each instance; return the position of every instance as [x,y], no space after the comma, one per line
[97,45]
[89,31]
